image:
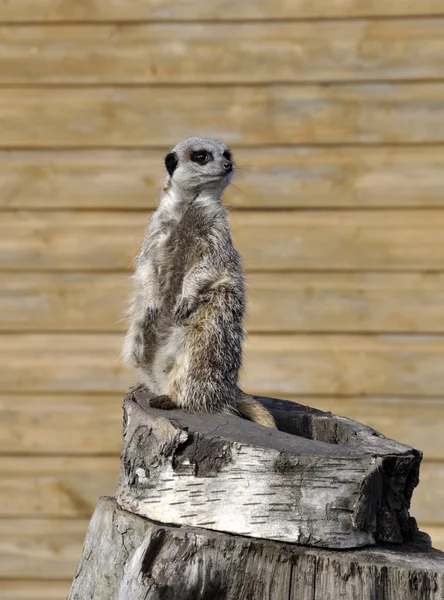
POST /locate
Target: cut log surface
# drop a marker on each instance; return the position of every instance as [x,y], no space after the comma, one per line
[321,481]
[128,557]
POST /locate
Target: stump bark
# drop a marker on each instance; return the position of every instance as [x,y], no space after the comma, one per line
[321,480]
[126,557]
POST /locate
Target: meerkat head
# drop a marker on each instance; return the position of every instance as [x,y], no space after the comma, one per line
[198,164]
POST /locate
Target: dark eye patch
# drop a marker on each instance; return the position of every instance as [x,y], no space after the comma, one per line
[171,162]
[227,155]
[201,157]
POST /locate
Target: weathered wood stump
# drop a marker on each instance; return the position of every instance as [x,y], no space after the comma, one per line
[321,480]
[126,557]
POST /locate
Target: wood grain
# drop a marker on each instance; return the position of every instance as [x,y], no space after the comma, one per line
[36,423]
[428,498]
[244,53]
[436,532]
[290,177]
[277,114]
[34,590]
[344,365]
[277,302]
[55,487]
[166,10]
[63,363]
[40,549]
[275,365]
[416,422]
[32,487]
[310,240]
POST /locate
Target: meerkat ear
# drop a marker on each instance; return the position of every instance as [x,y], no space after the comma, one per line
[171,162]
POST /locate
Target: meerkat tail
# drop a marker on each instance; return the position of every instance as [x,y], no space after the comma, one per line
[253,410]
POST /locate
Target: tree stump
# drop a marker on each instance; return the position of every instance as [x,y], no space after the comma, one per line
[126,557]
[321,480]
[217,508]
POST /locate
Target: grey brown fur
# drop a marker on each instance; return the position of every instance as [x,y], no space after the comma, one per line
[185,333]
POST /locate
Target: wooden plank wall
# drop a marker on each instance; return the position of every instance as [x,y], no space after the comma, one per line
[335,111]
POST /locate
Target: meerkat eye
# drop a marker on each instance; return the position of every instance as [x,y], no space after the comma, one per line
[227,155]
[201,157]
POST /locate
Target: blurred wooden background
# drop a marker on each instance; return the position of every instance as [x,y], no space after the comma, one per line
[335,111]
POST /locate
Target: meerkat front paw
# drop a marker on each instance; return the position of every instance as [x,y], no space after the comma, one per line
[164,402]
[184,309]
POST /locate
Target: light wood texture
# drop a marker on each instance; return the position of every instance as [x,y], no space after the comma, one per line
[310,240]
[244,53]
[63,363]
[371,139]
[277,302]
[36,423]
[416,422]
[55,487]
[344,365]
[291,177]
[274,364]
[146,557]
[68,487]
[436,533]
[34,590]
[41,549]
[218,10]
[428,499]
[278,114]
[174,10]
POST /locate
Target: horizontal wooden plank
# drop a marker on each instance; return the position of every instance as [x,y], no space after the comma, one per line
[244,53]
[33,424]
[288,303]
[310,240]
[267,178]
[436,532]
[85,363]
[40,549]
[344,365]
[252,115]
[49,549]
[274,364]
[38,424]
[416,422]
[34,590]
[70,487]
[55,486]
[428,498]
[175,10]
[36,556]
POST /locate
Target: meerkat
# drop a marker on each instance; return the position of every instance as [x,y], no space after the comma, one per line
[186,314]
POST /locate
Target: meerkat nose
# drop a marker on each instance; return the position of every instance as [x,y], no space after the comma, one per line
[228,166]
